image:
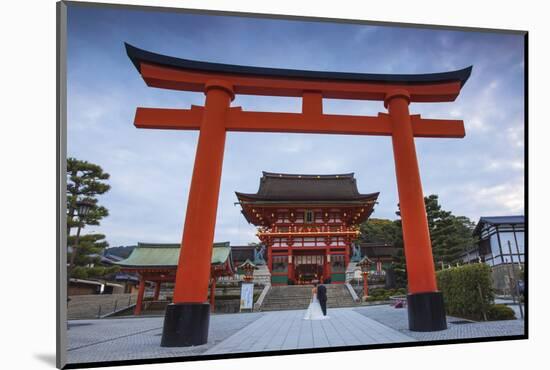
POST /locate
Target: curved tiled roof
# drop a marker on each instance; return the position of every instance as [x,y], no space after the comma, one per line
[498,220]
[301,187]
[167,255]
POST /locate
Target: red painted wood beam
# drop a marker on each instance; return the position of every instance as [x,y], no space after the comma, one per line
[169,119]
[189,80]
[446,128]
[239,120]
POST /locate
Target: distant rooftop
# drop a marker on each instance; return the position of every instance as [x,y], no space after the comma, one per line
[167,255]
[374,250]
[498,220]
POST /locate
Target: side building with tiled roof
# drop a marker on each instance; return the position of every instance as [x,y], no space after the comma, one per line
[500,243]
[157,263]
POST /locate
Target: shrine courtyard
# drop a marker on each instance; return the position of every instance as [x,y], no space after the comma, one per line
[139,338]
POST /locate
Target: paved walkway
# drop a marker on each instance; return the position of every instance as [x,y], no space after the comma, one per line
[281,330]
[139,338]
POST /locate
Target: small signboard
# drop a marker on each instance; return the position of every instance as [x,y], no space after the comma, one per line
[247,292]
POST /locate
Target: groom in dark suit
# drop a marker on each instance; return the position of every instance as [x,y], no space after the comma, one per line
[322,297]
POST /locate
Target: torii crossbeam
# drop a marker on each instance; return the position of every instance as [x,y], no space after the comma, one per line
[187,319]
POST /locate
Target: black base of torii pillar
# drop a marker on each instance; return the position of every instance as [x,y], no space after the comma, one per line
[426,311]
[186,324]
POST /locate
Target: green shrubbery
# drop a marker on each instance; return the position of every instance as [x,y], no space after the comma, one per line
[500,312]
[381,294]
[467,290]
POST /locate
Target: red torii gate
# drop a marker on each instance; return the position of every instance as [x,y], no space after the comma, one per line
[187,319]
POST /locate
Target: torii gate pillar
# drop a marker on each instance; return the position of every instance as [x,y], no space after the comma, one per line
[187,319]
[424,301]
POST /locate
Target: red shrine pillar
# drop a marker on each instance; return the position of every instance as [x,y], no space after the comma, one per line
[157,291]
[141,292]
[213,294]
[269,257]
[187,319]
[290,264]
[365,284]
[425,303]
[328,272]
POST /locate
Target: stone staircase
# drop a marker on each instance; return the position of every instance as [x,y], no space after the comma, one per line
[262,275]
[297,297]
[350,270]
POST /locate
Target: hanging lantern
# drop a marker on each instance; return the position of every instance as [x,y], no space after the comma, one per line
[84,207]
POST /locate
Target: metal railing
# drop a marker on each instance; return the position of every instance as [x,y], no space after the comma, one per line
[115,309]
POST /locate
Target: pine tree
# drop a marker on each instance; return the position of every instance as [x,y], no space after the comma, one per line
[450,235]
[85,181]
[377,230]
[87,261]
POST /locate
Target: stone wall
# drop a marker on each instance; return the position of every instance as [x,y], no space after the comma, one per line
[89,306]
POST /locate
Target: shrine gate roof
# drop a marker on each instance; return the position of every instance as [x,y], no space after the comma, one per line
[276,187]
[167,255]
[139,56]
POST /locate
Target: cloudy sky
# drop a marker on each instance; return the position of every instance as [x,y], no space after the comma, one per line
[479,175]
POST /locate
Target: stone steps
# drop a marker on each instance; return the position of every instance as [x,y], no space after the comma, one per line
[294,297]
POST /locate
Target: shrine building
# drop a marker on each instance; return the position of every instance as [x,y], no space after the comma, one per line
[308,224]
[157,263]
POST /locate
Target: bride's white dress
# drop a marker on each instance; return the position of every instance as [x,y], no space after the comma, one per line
[314,311]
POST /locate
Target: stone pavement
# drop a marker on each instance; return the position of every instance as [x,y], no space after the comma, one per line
[456,327]
[137,338]
[281,330]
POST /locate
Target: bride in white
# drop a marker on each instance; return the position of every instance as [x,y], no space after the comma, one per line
[314,311]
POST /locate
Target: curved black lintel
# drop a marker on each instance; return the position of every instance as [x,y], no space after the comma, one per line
[139,55]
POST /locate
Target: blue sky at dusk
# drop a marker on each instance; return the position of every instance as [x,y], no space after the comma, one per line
[480,175]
